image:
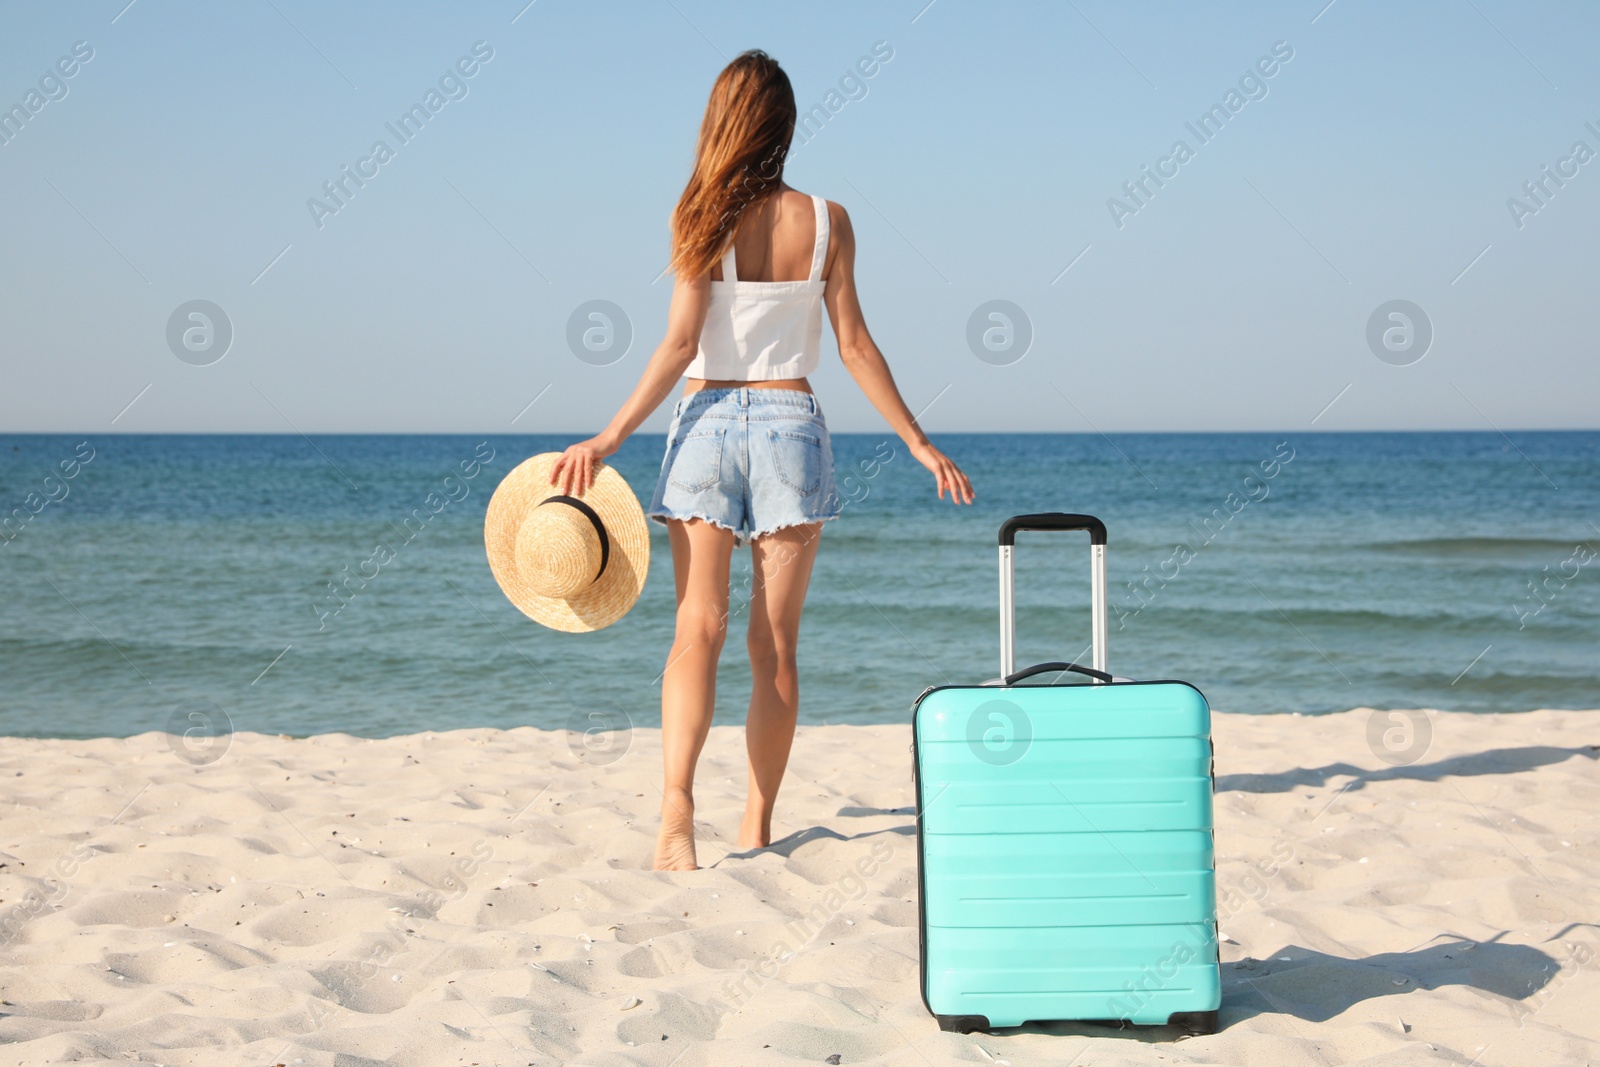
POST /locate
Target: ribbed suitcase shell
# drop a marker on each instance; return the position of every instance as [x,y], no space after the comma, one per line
[1070,874]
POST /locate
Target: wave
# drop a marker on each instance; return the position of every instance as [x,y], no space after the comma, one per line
[1421,619]
[1482,546]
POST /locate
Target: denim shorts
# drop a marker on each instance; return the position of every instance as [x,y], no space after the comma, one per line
[748,460]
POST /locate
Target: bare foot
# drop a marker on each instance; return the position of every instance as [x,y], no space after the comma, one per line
[675,844]
[755,831]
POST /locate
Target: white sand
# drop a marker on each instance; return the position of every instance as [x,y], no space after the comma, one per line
[480,897]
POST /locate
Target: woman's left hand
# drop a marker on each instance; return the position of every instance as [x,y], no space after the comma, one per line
[574,472]
[945,473]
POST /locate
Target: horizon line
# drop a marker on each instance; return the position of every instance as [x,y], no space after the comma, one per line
[837,433]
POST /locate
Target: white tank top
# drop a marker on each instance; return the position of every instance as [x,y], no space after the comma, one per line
[764,331]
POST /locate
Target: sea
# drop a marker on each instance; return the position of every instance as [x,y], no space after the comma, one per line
[145,577]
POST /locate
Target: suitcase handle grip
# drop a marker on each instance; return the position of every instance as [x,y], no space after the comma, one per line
[1052,666]
[1053,520]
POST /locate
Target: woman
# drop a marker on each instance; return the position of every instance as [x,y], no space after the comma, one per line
[748,456]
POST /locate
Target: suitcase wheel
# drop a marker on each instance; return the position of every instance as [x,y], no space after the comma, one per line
[1196,1023]
[964,1024]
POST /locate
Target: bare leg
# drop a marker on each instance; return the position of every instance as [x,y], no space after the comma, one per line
[782,565]
[700,555]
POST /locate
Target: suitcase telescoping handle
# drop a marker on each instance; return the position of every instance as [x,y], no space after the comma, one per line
[1053,520]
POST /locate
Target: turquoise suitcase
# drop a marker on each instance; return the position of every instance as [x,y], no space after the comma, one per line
[1064,838]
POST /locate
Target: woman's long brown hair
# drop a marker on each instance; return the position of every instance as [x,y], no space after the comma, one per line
[744,140]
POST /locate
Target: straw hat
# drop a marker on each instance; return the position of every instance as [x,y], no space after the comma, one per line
[570,563]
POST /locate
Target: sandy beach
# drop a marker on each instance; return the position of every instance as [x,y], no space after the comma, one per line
[481,897]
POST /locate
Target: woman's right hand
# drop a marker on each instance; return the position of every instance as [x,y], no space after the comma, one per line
[574,472]
[945,473]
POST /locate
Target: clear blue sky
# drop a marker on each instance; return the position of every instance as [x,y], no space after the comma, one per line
[978,165]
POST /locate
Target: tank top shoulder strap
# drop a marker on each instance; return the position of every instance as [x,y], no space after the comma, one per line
[820,253]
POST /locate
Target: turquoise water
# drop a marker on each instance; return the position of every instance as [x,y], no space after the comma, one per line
[1368,569]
